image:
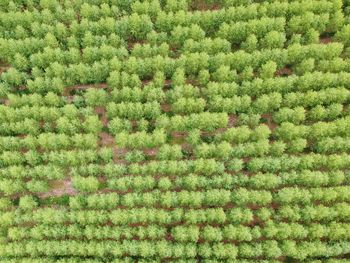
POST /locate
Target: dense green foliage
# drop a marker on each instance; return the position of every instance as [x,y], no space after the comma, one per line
[174,131]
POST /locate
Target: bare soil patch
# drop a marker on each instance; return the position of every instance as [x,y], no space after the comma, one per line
[166,107]
[70,98]
[202,5]
[6,102]
[145,82]
[101,111]
[232,120]
[270,123]
[117,152]
[325,40]
[4,69]
[151,152]
[178,134]
[284,72]
[68,90]
[106,139]
[59,188]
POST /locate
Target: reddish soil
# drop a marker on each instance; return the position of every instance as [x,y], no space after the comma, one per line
[186,146]
[272,126]
[118,152]
[101,111]
[106,139]
[132,43]
[270,123]
[203,6]
[70,98]
[284,72]
[151,152]
[192,82]
[178,140]
[177,134]
[68,90]
[145,82]
[220,130]
[4,69]
[169,237]
[325,40]
[167,82]
[59,188]
[232,120]
[210,133]
[166,107]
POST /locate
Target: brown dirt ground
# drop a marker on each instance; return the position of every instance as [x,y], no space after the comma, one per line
[232,120]
[284,72]
[325,40]
[151,152]
[106,139]
[177,134]
[270,123]
[4,69]
[166,107]
[70,98]
[68,90]
[145,82]
[118,152]
[101,111]
[59,188]
[203,6]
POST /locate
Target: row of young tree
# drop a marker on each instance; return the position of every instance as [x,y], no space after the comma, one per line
[301,162]
[28,22]
[167,250]
[115,170]
[287,195]
[258,181]
[49,100]
[136,184]
[164,183]
[191,182]
[243,196]
[10,187]
[298,114]
[134,111]
[316,100]
[303,178]
[143,249]
[303,214]
[319,130]
[36,173]
[225,151]
[294,83]
[43,113]
[64,158]
[55,75]
[209,167]
[333,145]
[49,141]
[204,121]
[62,125]
[161,11]
[204,198]
[87,232]
[278,231]
[331,98]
